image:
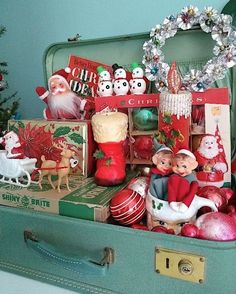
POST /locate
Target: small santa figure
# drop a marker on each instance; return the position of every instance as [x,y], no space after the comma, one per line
[62,102]
[212,162]
[12,145]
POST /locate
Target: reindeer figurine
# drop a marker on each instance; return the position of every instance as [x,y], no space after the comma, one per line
[61,169]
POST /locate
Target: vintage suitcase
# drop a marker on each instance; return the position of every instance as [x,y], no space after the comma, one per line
[92,257]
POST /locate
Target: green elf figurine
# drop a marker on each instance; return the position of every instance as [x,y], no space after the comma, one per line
[162,160]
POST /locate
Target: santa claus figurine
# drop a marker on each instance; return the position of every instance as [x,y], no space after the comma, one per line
[62,102]
[212,162]
[12,145]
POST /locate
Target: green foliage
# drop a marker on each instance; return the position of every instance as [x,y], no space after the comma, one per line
[7,108]
[61,131]
[108,161]
[175,133]
[98,154]
[77,138]
[167,118]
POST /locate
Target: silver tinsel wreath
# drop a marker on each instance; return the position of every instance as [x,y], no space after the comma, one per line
[210,21]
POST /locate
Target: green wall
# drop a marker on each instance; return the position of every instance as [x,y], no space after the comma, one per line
[32,25]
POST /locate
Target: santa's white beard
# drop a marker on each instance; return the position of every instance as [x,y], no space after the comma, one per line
[67,102]
[208,153]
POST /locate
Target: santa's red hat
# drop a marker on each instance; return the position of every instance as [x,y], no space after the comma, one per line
[61,74]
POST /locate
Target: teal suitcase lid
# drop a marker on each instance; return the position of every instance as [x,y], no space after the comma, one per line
[129,48]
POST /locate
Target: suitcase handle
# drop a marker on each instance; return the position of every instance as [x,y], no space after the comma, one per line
[83,266]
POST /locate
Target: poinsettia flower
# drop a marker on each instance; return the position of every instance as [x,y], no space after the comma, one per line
[161,81]
[159,40]
[208,18]
[188,17]
[169,28]
[229,56]
[222,29]
[161,85]
[200,86]
[192,78]
[37,142]
[152,71]
[155,31]
[157,55]
[148,45]
[215,69]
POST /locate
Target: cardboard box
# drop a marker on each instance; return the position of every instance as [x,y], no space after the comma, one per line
[38,135]
[86,199]
[215,109]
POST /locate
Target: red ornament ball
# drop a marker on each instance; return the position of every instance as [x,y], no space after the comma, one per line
[164,230]
[127,207]
[217,195]
[189,230]
[140,185]
[143,147]
[216,226]
[139,227]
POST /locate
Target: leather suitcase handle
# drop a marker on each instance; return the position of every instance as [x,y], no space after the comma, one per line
[80,265]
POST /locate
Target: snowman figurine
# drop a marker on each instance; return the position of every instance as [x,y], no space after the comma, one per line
[104,82]
[137,83]
[120,82]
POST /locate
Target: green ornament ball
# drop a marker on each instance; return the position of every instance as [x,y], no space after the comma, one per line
[145,119]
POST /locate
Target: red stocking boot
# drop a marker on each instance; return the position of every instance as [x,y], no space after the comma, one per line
[110,164]
[110,130]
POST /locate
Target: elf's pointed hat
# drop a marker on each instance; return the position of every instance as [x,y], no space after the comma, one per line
[160,147]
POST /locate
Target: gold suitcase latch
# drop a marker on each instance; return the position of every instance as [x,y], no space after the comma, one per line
[180,265]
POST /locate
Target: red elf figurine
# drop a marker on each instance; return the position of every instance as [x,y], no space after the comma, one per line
[182,185]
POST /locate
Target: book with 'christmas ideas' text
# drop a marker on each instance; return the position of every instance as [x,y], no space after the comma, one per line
[83,76]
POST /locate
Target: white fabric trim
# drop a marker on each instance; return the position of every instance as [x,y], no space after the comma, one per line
[186,152]
[59,77]
[178,104]
[82,104]
[45,95]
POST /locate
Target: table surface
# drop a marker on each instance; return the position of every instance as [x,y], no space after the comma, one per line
[12,284]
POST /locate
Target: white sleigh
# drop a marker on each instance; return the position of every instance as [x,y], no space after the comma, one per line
[16,171]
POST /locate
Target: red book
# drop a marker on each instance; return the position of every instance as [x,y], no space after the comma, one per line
[83,77]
